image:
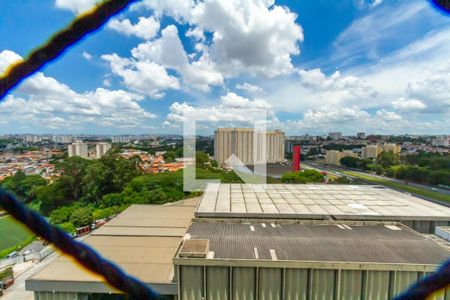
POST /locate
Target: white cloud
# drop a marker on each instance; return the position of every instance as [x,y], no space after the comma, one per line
[387,27]
[181,10]
[231,108]
[8,58]
[169,52]
[145,77]
[408,104]
[387,116]
[87,56]
[232,100]
[145,28]
[248,87]
[76,6]
[47,103]
[248,36]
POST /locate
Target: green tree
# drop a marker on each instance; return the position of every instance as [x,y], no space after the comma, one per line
[61,215]
[81,217]
[306,176]
[52,196]
[387,159]
[201,159]
[351,162]
[73,170]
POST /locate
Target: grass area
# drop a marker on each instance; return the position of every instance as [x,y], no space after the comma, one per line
[13,235]
[396,185]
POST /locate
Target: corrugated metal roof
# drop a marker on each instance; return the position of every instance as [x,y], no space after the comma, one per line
[142,240]
[315,201]
[325,242]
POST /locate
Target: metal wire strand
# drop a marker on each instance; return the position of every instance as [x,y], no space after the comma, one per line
[60,42]
[84,254]
[428,285]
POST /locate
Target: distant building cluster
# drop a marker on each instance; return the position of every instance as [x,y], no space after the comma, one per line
[243,143]
[121,139]
[152,164]
[333,157]
[30,162]
[441,141]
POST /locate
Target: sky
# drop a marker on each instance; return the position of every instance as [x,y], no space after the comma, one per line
[312,66]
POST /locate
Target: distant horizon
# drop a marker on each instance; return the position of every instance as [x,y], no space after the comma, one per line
[212,134]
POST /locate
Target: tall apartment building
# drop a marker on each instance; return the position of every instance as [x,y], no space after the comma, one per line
[335,135]
[241,142]
[101,149]
[62,139]
[361,135]
[333,157]
[30,138]
[120,139]
[78,149]
[394,148]
[371,151]
[441,141]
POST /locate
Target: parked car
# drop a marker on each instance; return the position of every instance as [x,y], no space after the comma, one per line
[12,254]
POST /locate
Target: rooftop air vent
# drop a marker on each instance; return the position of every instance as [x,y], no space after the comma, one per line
[194,248]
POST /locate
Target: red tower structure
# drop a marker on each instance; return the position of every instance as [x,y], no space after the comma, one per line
[296,158]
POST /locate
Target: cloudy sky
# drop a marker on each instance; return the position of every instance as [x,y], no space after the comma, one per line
[380,66]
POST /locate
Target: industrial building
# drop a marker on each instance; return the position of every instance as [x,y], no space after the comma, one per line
[243,143]
[274,241]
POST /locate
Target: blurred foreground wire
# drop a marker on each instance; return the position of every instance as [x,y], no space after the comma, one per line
[60,42]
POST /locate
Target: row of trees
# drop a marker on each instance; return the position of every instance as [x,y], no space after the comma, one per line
[88,190]
[429,168]
[306,176]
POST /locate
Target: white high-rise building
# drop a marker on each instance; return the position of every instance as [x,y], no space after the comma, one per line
[441,141]
[371,151]
[361,135]
[240,142]
[120,138]
[78,149]
[101,149]
[335,135]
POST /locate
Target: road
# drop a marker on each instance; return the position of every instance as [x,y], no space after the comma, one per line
[335,169]
[17,290]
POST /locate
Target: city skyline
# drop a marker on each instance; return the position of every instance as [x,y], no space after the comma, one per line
[316,67]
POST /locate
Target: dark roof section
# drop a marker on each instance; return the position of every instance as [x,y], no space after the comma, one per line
[330,243]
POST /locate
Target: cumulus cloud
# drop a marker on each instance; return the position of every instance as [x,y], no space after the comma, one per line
[145,28]
[48,103]
[87,56]
[8,58]
[231,108]
[248,36]
[76,6]
[408,104]
[145,77]
[168,51]
[248,87]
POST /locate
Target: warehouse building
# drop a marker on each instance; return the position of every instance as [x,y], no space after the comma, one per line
[264,242]
[321,202]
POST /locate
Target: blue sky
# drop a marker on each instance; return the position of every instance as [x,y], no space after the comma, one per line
[313,66]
